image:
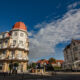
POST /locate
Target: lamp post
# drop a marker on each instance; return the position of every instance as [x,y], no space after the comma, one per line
[44,67]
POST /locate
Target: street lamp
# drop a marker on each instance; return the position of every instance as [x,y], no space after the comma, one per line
[44,66]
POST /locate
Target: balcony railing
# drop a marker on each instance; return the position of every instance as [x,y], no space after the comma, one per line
[5,46]
[14,47]
[27,49]
[2,56]
[1,47]
[26,58]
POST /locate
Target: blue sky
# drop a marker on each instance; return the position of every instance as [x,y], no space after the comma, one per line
[31,12]
[41,16]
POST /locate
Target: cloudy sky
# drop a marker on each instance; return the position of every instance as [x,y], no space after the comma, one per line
[51,24]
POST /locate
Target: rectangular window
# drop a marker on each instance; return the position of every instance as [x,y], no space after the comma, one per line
[21,43]
[76,58]
[12,54]
[19,55]
[4,52]
[15,34]
[74,43]
[21,34]
[6,41]
[1,66]
[67,56]
[14,42]
[75,48]
[0,42]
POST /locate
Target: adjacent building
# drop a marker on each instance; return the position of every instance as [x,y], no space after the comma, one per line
[14,48]
[72,55]
[58,63]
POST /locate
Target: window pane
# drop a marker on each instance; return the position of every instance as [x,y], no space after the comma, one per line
[4,52]
[15,33]
[21,34]
[21,43]
[14,42]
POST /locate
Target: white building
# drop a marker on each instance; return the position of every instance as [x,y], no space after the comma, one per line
[14,48]
[72,55]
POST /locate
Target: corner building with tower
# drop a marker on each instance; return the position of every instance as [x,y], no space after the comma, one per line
[14,48]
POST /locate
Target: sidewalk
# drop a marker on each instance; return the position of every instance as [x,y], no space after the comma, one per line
[54,73]
[67,72]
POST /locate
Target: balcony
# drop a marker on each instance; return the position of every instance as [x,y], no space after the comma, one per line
[20,58]
[11,57]
[25,58]
[27,49]
[2,56]
[21,47]
[4,46]
[14,47]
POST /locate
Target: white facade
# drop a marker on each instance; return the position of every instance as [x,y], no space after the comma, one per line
[14,47]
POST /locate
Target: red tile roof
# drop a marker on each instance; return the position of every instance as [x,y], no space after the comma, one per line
[19,25]
[43,61]
[61,61]
[53,63]
[47,62]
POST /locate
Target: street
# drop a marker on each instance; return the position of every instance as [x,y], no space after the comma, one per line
[59,76]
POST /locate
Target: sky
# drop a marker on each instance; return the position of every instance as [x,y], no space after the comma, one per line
[51,24]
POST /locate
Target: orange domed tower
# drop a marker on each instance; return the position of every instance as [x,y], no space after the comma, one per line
[15,48]
[20,25]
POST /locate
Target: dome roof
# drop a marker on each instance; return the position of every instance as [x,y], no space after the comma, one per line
[19,25]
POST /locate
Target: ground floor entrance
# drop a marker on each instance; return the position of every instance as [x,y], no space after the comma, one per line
[10,66]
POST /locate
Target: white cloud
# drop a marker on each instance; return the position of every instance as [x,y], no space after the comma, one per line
[44,42]
[73,5]
[29,33]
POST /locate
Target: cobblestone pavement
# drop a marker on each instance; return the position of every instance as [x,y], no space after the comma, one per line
[60,76]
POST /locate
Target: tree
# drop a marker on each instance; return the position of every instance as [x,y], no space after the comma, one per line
[33,65]
[16,64]
[51,60]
